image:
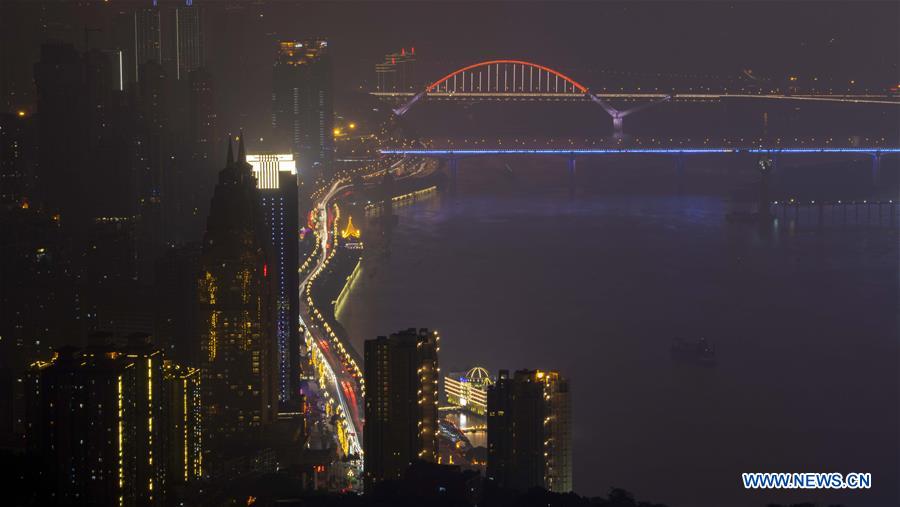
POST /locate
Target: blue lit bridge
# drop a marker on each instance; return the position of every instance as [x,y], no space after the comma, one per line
[453,155]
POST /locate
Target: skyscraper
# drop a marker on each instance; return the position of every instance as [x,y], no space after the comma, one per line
[148,40]
[236,337]
[188,40]
[276,179]
[202,115]
[302,107]
[58,78]
[401,374]
[82,122]
[529,436]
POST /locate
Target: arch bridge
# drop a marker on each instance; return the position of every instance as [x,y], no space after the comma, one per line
[514,80]
[507,79]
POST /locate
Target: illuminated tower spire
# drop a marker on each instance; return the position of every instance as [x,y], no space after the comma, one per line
[229,161]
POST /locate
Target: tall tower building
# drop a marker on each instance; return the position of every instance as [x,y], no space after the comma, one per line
[237,343]
[148,40]
[401,374]
[302,103]
[201,115]
[81,123]
[188,40]
[276,179]
[529,435]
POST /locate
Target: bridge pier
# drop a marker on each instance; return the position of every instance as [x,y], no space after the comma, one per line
[618,126]
[679,171]
[766,165]
[453,165]
[571,167]
[876,169]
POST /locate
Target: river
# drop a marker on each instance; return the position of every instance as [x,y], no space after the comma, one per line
[516,274]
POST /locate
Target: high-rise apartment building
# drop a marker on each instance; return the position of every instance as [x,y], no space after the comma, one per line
[529,434]
[183,442]
[105,420]
[401,374]
[302,104]
[236,337]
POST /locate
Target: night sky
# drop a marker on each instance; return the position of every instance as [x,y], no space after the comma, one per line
[834,41]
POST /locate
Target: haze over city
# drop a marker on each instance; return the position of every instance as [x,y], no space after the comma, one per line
[454,253]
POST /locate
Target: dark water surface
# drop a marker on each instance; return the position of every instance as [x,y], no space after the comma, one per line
[805,323]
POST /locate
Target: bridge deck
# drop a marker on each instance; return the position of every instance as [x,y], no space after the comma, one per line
[617,151]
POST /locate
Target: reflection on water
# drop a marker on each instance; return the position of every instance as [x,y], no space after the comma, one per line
[804,324]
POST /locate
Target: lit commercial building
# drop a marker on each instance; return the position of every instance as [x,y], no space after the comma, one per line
[468,390]
[101,418]
[397,72]
[267,169]
[302,103]
[529,434]
[276,179]
[238,349]
[401,374]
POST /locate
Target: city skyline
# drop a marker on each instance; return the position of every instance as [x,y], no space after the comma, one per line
[506,253]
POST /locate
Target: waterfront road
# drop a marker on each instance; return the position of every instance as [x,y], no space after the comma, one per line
[341,384]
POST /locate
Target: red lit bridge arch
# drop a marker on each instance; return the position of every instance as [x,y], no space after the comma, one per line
[507,76]
[515,80]
[522,80]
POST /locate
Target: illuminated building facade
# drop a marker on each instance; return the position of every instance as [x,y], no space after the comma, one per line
[101,419]
[276,179]
[239,381]
[397,72]
[468,390]
[302,103]
[401,374]
[529,431]
[184,424]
